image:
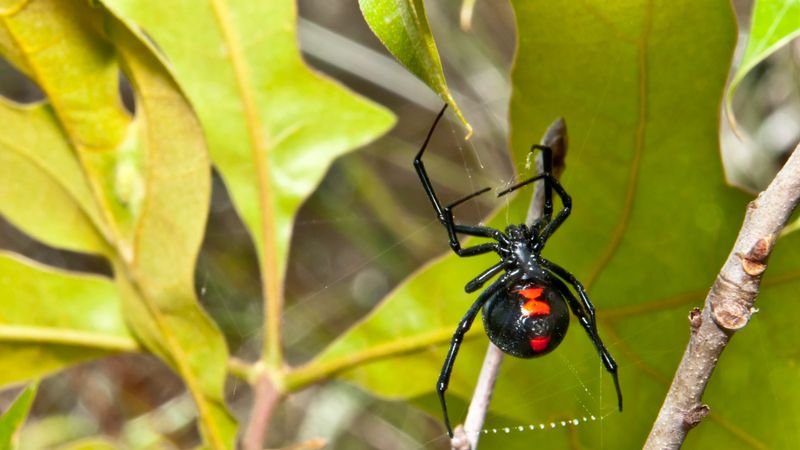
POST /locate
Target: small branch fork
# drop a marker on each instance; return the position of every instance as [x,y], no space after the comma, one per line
[466,437]
[728,307]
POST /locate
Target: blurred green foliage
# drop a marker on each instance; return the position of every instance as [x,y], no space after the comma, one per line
[12,419]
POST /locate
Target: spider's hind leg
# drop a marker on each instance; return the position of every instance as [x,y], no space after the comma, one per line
[584,311]
[458,337]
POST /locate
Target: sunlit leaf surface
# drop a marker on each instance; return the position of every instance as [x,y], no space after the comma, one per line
[652,224]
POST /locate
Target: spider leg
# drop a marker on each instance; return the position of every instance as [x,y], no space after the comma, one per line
[458,337]
[423,175]
[478,282]
[562,215]
[584,311]
[570,278]
[470,230]
[445,214]
[566,208]
[481,231]
[547,167]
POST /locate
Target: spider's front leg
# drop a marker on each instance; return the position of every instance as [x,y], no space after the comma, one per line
[562,215]
[547,167]
[445,214]
[458,337]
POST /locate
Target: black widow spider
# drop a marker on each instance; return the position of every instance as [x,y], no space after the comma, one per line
[525,310]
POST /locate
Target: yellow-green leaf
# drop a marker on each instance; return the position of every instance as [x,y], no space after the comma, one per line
[773,24]
[60,45]
[46,38]
[158,281]
[148,177]
[13,418]
[51,319]
[402,26]
[273,126]
[44,192]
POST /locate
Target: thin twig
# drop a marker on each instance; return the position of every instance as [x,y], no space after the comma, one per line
[265,398]
[728,307]
[466,437]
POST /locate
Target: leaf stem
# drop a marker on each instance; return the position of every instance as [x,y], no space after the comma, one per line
[242,369]
[60,336]
[315,372]
[272,290]
[728,307]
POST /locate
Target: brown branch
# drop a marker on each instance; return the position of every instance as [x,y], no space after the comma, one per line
[728,307]
[265,397]
[466,437]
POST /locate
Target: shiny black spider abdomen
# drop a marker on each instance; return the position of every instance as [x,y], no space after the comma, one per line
[527,320]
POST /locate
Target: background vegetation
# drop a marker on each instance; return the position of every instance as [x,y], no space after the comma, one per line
[150,294]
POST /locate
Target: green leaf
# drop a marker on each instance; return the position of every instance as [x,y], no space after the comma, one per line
[57,319]
[652,223]
[273,126]
[144,181]
[41,38]
[157,284]
[13,418]
[773,24]
[45,193]
[402,26]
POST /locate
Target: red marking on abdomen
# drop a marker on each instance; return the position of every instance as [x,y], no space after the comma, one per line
[540,344]
[534,306]
[531,293]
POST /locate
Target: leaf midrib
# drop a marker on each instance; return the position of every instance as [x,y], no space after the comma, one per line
[633,176]
[259,144]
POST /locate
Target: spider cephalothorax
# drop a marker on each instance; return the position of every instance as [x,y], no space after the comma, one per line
[525,310]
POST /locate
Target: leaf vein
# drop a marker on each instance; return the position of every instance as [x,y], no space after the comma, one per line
[633,176]
[259,144]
